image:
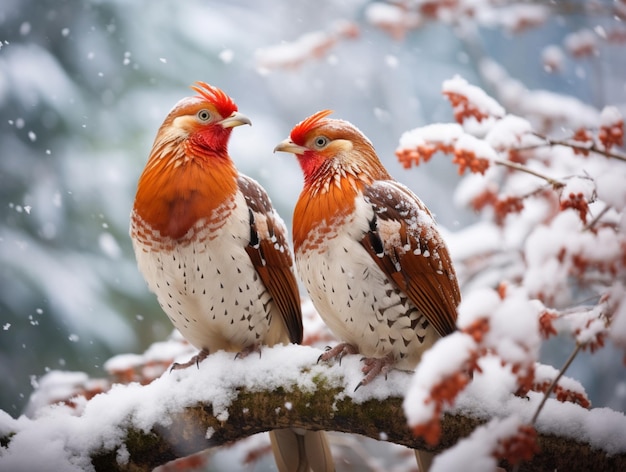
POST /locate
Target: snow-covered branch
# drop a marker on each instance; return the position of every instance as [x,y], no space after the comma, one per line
[138,427]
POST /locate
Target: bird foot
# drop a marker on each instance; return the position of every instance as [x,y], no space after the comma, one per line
[338,352]
[202,355]
[248,350]
[374,367]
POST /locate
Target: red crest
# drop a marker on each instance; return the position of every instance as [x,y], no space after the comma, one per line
[222,102]
[299,132]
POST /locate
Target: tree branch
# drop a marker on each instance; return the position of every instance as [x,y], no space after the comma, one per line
[139,427]
[577,146]
[522,168]
[255,412]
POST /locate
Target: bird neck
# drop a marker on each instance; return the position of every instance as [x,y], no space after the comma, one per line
[325,200]
[180,188]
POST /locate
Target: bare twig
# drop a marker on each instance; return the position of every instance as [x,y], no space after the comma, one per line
[568,362]
[514,165]
[593,222]
[548,392]
[573,145]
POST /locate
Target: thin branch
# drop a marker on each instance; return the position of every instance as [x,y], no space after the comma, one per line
[550,390]
[573,145]
[593,222]
[578,8]
[554,383]
[514,165]
[592,148]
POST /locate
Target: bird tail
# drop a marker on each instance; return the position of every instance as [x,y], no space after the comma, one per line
[301,451]
[424,459]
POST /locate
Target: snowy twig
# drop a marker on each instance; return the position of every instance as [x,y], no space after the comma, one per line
[549,142]
[551,389]
[597,218]
[555,382]
[514,165]
[584,8]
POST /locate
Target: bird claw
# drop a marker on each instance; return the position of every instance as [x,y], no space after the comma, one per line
[326,349]
[374,367]
[202,355]
[338,352]
[248,350]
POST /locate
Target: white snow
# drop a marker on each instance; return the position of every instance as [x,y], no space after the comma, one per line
[611,188]
[535,248]
[490,396]
[579,185]
[611,116]
[447,356]
[543,256]
[393,19]
[478,147]
[475,95]
[475,453]
[513,322]
[293,52]
[440,133]
[108,245]
[545,374]
[309,45]
[474,240]
[582,42]
[64,437]
[508,132]
[553,58]
[384,13]
[618,325]
[227,56]
[64,440]
[541,107]
[55,386]
[586,324]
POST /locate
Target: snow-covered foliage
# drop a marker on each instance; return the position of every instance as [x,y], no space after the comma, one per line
[72,418]
[542,200]
[536,127]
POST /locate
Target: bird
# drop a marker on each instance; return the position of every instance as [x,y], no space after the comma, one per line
[213,249]
[368,252]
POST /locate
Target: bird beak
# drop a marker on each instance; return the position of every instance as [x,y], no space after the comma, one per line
[236,119]
[289,146]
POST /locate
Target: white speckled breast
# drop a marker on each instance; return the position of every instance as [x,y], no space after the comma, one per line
[355,298]
[206,283]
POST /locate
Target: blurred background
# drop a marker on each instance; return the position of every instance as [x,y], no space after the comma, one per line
[84,86]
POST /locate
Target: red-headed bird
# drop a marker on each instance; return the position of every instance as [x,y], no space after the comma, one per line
[368,251]
[215,252]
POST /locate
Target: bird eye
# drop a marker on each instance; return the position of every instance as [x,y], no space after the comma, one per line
[204,115]
[320,142]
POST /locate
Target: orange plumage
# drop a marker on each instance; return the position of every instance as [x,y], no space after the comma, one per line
[189,172]
[215,252]
[368,250]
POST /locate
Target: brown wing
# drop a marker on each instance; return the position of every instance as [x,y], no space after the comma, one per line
[270,254]
[404,241]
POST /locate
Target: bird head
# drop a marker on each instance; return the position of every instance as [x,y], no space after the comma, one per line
[325,146]
[203,122]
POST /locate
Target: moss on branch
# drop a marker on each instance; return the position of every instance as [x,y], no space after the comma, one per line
[254,412]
